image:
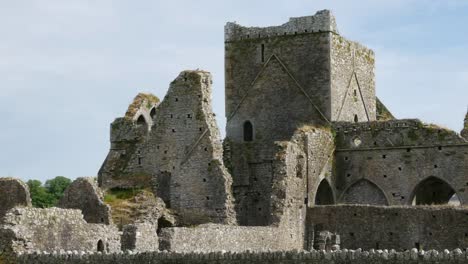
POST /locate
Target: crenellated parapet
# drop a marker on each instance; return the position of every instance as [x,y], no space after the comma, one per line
[322,21]
[393,133]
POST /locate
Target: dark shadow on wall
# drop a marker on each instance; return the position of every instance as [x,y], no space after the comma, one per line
[324,195]
[433,190]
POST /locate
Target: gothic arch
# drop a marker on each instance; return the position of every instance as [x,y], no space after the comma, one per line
[432,190]
[324,194]
[248,131]
[364,191]
[141,120]
[153,112]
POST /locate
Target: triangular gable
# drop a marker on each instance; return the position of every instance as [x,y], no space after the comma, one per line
[353,102]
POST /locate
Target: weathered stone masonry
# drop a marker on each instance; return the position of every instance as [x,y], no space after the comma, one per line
[84,194]
[180,155]
[13,193]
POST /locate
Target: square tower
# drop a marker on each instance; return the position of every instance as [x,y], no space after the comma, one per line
[279,79]
[300,73]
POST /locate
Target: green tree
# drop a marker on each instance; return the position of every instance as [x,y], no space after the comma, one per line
[39,195]
[48,195]
[57,186]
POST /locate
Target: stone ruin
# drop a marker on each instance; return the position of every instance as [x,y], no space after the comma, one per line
[313,168]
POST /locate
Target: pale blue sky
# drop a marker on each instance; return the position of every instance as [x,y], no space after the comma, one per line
[68,68]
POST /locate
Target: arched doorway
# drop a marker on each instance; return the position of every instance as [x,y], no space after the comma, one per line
[324,194]
[364,192]
[100,246]
[433,191]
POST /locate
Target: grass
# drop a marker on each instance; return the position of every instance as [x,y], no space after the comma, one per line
[126,204]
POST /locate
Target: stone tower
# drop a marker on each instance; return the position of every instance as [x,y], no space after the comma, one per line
[281,78]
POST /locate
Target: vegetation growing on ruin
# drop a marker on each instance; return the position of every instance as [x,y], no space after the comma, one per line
[142,99]
[130,205]
[383,114]
[126,204]
[48,194]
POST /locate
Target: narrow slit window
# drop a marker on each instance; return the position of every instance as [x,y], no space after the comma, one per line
[263,52]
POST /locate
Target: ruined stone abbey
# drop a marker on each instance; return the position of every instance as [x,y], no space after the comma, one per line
[313,169]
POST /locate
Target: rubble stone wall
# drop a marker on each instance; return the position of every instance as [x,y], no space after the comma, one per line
[13,192]
[386,162]
[395,227]
[56,229]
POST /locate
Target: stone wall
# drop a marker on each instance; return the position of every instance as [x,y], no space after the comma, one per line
[84,194]
[13,193]
[56,229]
[140,237]
[353,81]
[281,257]
[186,155]
[391,162]
[400,228]
[122,167]
[180,154]
[214,238]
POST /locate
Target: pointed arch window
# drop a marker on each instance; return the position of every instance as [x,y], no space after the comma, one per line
[248,131]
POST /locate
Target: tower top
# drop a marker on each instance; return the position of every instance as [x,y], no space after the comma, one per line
[322,21]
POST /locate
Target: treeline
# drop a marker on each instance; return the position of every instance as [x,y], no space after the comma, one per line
[48,194]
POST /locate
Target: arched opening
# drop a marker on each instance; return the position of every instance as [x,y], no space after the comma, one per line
[364,192]
[434,191]
[162,223]
[324,194]
[141,120]
[153,112]
[248,131]
[100,246]
[356,119]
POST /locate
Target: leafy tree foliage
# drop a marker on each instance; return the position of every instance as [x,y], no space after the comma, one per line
[49,194]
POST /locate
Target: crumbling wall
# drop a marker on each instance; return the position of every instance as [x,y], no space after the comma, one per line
[353,81]
[140,237]
[123,166]
[395,157]
[84,194]
[179,155]
[399,228]
[297,162]
[56,229]
[186,153]
[464,132]
[13,192]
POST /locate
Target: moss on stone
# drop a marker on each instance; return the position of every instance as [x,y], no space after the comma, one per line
[383,114]
[141,100]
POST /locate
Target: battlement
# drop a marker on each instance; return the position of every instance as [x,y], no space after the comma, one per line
[394,133]
[347,127]
[322,21]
